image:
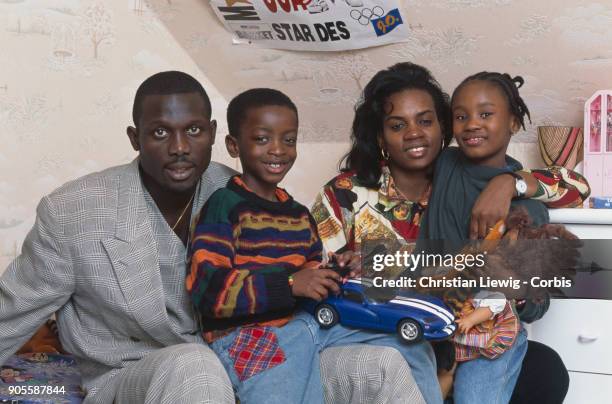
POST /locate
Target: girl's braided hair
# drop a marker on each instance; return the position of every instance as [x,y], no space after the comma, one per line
[509,86]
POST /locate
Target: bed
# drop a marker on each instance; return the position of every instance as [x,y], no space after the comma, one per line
[41,372]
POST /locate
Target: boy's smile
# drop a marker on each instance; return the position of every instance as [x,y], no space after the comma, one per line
[483,123]
[266,146]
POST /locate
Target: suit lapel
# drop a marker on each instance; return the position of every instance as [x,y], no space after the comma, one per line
[134,256]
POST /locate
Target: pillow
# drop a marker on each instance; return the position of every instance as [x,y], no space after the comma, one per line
[44,340]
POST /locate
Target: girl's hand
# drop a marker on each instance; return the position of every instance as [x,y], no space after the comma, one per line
[315,283]
[349,259]
[492,205]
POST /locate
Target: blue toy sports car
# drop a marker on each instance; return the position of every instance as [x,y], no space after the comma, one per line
[411,315]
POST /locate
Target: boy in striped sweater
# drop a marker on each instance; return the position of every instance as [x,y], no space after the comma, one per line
[255,252]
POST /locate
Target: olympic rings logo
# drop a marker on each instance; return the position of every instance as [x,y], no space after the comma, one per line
[366,15]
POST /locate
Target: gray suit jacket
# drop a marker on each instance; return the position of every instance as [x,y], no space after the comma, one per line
[91,258]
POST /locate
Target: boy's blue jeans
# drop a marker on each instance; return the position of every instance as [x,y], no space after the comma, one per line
[297,379]
[490,381]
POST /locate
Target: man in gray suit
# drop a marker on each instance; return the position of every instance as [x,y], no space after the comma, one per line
[107,254]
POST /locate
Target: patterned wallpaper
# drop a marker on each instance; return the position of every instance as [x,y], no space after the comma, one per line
[69,69]
[68,73]
[563,49]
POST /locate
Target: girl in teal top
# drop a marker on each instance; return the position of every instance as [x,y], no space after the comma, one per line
[486,111]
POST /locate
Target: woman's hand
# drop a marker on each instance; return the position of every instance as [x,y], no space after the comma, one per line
[492,205]
[446,379]
[315,283]
[349,259]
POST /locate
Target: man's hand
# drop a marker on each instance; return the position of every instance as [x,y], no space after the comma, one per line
[315,283]
[492,205]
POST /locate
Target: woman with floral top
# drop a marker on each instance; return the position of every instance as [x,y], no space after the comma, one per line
[401,125]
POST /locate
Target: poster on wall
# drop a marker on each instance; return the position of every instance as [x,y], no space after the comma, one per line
[313,25]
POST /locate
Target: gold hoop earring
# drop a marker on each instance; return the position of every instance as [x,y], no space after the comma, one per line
[384,154]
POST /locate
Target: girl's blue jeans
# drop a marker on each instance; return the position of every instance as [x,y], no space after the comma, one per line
[297,379]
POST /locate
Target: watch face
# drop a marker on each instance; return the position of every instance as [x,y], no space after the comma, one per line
[521,187]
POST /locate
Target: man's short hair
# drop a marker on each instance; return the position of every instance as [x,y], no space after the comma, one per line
[254,98]
[166,83]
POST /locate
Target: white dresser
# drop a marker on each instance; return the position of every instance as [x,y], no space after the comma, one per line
[580,330]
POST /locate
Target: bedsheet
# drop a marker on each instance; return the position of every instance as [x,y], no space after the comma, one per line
[39,378]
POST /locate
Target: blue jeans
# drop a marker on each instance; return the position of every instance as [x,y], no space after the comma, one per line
[490,381]
[297,379]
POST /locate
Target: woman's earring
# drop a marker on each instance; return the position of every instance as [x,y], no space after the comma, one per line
[384,154]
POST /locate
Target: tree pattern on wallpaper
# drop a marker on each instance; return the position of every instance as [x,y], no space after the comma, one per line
[67,79]
[98,26]
[69,69]
[549,46]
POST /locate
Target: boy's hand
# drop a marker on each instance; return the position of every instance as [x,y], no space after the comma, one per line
[315,283]
[349,259]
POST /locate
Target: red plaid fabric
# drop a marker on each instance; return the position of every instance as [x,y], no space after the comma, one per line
[490,338]
[254,350]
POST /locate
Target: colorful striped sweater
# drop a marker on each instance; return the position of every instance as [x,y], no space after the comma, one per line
[243,250]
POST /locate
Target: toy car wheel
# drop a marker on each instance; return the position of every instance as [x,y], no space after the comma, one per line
[326,316]
[409,330]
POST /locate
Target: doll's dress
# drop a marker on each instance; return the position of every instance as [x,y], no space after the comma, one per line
[492,337]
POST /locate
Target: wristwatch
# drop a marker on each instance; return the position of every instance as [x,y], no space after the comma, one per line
[520,185]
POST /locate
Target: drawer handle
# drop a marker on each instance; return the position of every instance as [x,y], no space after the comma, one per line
[585,338]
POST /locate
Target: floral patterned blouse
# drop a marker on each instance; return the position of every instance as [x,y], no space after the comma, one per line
[347,213]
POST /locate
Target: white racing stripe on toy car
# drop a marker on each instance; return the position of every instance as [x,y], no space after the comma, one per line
[360,281]
[422,307]
[418,304]
[433,306]
[425,302]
